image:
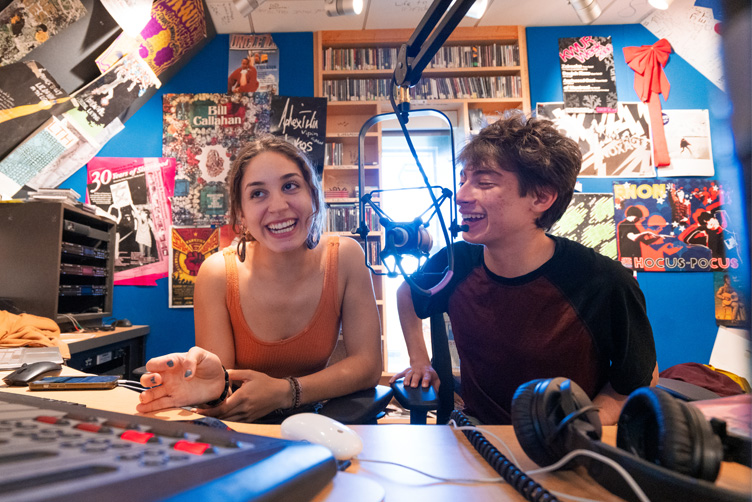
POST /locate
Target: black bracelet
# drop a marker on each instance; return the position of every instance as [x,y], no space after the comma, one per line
[220,399]
[295,385]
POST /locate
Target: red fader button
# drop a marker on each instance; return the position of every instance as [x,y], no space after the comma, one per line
[138,437]
[191,447]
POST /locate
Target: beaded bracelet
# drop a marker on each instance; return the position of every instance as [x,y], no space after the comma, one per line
[295,385]
[221,398]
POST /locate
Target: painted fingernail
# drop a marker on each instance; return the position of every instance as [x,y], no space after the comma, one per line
[188,373]
[153,380]
[170,363]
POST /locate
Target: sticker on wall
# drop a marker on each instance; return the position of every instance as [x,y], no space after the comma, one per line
[674,226]
[191,246]
[204,132]
[588,74]
[731,300]
[589,220]
[613,145]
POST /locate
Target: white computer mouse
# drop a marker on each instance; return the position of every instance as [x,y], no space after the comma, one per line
[343,442]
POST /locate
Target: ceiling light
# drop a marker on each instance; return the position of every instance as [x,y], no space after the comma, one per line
[587,10]
[343,7]
[660,4]
[245,7]
[478,9]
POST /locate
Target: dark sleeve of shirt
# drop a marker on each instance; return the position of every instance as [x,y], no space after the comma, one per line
[610,302]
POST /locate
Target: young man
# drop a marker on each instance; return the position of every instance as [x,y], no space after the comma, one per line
[524,304]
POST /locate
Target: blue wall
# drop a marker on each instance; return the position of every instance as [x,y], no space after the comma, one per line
[680,305]
[172,329]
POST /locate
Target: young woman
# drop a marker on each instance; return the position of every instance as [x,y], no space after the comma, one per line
[270,310]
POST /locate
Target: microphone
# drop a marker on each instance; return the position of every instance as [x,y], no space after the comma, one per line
[406,238]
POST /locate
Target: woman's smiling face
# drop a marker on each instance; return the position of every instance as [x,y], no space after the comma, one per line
[276,202]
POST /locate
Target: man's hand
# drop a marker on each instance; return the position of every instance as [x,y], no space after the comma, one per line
[418,375]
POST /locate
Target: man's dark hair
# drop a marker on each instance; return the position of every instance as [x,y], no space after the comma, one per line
[542,158]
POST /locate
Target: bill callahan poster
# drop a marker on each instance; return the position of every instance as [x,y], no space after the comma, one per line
[204,132]
[676,225]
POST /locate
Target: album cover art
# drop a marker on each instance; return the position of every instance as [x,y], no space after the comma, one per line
[679,225]
[731,300]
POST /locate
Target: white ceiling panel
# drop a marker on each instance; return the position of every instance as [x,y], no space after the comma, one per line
[309,15]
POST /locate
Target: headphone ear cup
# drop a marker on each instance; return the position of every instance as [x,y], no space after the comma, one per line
[526,422]
[662,430]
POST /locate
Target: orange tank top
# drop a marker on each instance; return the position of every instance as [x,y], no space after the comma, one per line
[305,353]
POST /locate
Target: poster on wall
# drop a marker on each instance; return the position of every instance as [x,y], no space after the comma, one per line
[25,25]
[253,63]
[302,122]
[688,139]
[104,100]
[613,145]
[677,225]
[730,300]
[589,220]
[204,132]
[27,92]
[191,246]
[588,75]
[136,193]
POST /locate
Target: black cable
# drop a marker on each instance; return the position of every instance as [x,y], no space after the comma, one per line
[524,484]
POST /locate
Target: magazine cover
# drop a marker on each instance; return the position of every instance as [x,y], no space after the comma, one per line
[253,64]
[190,247]
[613,145]
[589,220]
[106,98]
[27,92]
[203,132]
[688,139]
[136,193]
[588,75]
[302,122]
[674,226]
[27,24]
[730,300]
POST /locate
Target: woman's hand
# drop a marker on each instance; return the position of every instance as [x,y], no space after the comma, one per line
[181,379]
[418,375]
[259,395]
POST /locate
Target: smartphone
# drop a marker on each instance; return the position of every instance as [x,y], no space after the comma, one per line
[75,383]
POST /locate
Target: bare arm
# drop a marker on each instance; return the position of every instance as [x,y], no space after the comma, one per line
[212,319]
[420,371]
[361,333]
[610,402]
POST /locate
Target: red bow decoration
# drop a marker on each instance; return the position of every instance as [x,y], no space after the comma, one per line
[648,61]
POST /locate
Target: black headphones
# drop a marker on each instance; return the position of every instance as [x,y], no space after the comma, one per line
[667,445]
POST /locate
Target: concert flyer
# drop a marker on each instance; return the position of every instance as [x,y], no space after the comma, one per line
[588,74]
[136,193]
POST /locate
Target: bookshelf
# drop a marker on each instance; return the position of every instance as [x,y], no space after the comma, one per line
[479,71]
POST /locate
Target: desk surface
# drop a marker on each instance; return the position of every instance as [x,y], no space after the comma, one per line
[439,450]
[79,342]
